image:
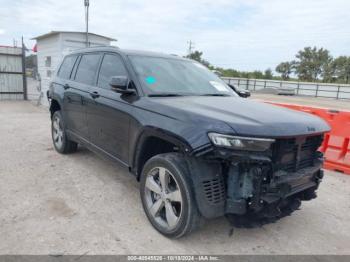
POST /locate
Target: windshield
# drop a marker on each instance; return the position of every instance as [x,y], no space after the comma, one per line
[169,76]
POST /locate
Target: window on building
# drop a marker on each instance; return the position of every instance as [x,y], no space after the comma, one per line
[87,69]
[67,66]
[48,61]
[112,65]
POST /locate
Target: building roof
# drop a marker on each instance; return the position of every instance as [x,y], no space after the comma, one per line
[69,32]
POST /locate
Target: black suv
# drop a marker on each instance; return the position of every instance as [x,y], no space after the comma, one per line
[197,148]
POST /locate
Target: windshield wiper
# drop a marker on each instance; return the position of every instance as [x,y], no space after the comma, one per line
[164,95]
[215,94]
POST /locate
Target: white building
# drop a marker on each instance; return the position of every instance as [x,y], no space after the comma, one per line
[53,46]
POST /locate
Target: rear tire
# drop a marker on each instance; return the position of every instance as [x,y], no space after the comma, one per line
[59,138]
[167,195]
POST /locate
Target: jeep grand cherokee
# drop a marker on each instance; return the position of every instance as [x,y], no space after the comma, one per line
[197,148]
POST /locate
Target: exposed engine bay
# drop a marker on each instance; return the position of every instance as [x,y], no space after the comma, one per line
[252,189]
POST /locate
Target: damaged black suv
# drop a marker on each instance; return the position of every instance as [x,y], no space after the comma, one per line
[197,148]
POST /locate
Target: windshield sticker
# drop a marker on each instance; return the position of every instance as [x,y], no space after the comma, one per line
[220,87]
[150,80]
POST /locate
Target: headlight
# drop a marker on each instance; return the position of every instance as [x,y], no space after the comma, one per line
[241,143]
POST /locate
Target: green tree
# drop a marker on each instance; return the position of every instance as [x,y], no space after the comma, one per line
[268,74]
[341,69]
[31,61]
[312,63]
[228,72]
[256,74]
[197,55]
[285,69]
[328,73]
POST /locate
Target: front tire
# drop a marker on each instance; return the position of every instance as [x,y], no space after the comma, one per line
[167,195]
[59,138]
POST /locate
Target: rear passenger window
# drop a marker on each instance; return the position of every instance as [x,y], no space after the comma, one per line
[112,65]
[87,69]
[67,66]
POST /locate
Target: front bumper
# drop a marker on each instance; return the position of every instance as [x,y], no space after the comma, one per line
[258,188]
[242,184]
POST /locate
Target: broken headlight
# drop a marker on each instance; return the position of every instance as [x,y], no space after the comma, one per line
[241,143]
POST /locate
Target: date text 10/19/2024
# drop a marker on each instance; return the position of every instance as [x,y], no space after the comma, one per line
[173,258]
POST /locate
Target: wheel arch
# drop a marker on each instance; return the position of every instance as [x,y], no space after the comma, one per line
[54,106]
[152,142]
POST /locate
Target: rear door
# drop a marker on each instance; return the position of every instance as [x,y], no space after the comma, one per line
[71,103]
[78,93]
[109,113]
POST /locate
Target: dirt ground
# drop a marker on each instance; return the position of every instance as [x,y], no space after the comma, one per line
[82,204]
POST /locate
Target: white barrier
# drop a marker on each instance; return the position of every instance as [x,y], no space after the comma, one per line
[338,91]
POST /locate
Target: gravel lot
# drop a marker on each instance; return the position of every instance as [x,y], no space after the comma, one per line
[82,204]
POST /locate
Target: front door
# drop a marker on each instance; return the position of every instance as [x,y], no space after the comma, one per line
[109,112]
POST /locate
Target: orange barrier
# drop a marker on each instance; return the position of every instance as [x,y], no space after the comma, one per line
[336,145]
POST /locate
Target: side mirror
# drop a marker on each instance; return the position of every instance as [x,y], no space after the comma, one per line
[240,92]
[243,93]
[120,84]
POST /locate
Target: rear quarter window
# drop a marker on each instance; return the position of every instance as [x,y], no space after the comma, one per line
[67,66]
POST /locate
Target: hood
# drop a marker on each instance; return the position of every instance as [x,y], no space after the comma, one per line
[244,116]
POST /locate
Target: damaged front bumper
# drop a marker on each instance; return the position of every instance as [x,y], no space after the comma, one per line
[258,187]
[255,185]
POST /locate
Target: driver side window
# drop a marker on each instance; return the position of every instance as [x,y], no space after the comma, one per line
[112,65]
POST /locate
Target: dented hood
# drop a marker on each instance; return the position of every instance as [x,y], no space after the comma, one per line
[245,116]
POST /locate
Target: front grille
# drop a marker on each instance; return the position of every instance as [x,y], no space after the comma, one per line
[214,190]
[296,153]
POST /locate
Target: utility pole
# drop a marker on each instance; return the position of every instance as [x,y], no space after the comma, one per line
[86,5]
[190,47]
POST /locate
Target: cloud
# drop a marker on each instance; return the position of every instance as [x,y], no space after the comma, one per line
[2,31]
[244,34]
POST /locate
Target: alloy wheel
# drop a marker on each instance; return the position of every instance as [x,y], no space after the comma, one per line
[163,197]
[57,132]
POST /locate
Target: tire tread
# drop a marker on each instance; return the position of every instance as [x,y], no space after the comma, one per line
[69,146]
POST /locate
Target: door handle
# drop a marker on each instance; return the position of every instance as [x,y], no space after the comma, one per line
[66,86]
[94,94]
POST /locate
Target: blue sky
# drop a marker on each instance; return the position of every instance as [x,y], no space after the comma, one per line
[241,34]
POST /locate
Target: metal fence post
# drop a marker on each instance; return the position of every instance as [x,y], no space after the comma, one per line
[338,91]
[239,81]
[265,84]
[298,86]
[316,90]
[25,92]
[254,84]
[247,86]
